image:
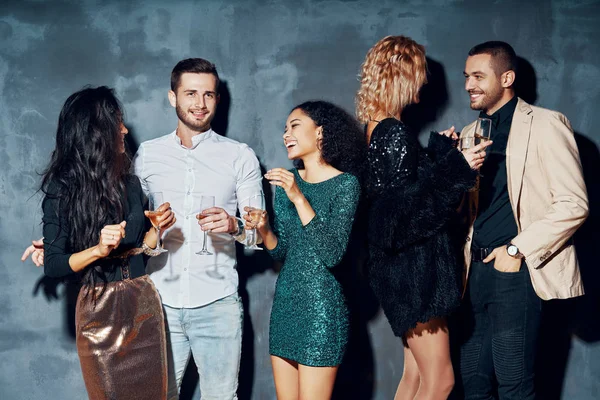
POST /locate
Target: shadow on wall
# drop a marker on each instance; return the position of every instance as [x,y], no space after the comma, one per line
[50,288]
[220,123]
[563,319]
[356,374]
[433,99]
[249,264]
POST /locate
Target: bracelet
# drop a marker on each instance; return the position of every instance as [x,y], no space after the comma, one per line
[150,251]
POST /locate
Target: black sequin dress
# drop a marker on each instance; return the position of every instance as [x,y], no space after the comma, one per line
[413,194]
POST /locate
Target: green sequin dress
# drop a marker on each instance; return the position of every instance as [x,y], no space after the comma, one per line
[309,318]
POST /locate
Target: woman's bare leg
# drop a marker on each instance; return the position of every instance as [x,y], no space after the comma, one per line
[316,383]
[285,374]
[409,384]
[430,346]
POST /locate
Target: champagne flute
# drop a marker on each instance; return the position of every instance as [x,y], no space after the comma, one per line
[483,129]
[482,132]
[256,204]
[205,203]
[156,200]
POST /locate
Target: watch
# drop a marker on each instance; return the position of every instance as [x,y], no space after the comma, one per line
[513,251]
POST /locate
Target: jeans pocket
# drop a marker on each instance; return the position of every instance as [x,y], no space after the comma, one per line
[508,274]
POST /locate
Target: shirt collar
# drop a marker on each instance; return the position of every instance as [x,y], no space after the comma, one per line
[501,115]
[197,139]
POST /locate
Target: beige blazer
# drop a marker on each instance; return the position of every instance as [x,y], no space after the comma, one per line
[548,198]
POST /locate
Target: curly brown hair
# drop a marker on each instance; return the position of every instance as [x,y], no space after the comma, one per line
[343,145]
[394,71]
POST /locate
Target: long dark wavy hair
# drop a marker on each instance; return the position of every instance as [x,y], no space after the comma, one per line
[344,145]
[88,170]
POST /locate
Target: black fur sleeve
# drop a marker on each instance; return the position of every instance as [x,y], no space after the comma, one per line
[417,210]
[439,145]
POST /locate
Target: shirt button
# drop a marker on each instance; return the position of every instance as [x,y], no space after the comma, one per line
[186,242]
[188,192]
[190,170]
[185,269]
[187,217]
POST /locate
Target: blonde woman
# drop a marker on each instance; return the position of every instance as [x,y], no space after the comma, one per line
[412,193]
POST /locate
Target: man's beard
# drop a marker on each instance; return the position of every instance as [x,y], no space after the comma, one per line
[490,99]
[187,120]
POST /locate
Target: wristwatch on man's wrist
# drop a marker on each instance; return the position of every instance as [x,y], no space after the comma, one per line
[513,251]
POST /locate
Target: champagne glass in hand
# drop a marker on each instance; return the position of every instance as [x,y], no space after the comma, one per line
[483,129]
[256,206]
[205,203]
[156,200]
[481,134]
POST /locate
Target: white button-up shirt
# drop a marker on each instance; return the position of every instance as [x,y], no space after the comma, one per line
[213,166]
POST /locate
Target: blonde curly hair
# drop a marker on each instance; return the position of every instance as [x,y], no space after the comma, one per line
[394,71]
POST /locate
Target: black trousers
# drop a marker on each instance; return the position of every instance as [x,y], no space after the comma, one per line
[498,326]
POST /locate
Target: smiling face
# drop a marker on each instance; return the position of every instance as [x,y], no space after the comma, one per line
[301,136]
[195,100]
[488,88]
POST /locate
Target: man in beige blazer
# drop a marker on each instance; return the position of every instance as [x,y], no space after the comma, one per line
[519,249]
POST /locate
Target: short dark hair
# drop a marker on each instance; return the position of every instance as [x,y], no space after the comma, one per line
[194,66]
[503,55]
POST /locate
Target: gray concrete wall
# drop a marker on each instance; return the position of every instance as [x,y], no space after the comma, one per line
[272,55]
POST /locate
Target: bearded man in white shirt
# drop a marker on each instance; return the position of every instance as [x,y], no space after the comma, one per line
[200,292]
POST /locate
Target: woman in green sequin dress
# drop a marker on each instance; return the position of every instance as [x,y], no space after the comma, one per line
[314,214]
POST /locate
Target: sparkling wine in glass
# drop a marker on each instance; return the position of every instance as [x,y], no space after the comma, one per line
[205,203]
[155,201]
[483,129]
[256,204]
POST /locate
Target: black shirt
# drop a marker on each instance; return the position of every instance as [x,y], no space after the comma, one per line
[495,224]
[56,244]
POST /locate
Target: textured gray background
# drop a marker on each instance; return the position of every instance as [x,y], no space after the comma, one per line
[272,55]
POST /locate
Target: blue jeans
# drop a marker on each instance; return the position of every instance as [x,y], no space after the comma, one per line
[213,334]
[499,322]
